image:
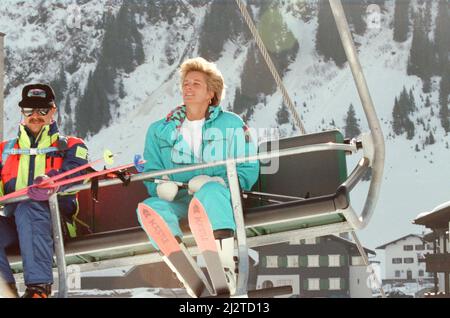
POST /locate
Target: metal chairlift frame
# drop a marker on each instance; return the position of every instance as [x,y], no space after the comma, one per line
[374,153]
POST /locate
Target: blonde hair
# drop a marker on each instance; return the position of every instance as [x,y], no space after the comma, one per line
[214,78]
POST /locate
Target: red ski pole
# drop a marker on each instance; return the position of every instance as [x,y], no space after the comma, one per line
[107,157]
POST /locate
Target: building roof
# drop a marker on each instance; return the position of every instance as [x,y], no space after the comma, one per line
[337,238]
[382,247]
[438,218]
[351,243]
[430,237]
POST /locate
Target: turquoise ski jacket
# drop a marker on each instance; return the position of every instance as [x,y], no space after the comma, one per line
[224,136]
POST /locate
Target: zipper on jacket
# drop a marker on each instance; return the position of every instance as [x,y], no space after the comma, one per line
[32,163]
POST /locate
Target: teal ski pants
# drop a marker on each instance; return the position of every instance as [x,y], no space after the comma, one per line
[214,197]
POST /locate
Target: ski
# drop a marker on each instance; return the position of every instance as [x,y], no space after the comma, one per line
[92,175]
[58,183]
[204,236]
[107,157]
[174,253]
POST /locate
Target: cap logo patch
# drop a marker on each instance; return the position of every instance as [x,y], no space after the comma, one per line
[37,93]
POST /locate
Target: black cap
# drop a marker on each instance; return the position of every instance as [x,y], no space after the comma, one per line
[37,96]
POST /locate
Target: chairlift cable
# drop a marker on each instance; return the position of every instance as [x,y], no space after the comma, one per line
[272,68]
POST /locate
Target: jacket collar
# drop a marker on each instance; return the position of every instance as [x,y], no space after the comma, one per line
[48,133]
[178,115]
[175,119]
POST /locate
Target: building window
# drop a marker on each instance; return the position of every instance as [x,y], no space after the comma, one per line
[284,282]
[409,275]
[396,261]
[421,273]
[313,260]
[357,261]
[397,274]
[430,275]
[323,261]
[408,260]
[335,283]
[408,247]
[334,260]
[282,261]
[272,261]
[310,241]
[313,284]
[430,247]
[292,261]
[303,261]
[420,247]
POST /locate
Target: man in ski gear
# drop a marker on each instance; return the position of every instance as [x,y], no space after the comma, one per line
[38,152]
[200,131]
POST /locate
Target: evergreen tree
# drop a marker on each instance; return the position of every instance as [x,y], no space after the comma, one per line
[122,43]
[222,22]
[122,51]
[444,94]
[397,123]
[411,102]
[282,115]
[421,57]
[409,128]
[277,36]
[328,41]
[431,139]
[355,12]
[442,37]
[401,20]
[93,109]
[428,17]
[163,10]
[59,86]
[67,106]
[283,49]
[243,103]
[403,107]
[428,102]
[407,102]
[352,128]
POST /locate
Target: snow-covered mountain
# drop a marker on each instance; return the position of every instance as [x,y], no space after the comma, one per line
[111,94]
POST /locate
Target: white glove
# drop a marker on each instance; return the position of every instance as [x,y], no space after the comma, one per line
[219,180]
[196,183]
[167,190]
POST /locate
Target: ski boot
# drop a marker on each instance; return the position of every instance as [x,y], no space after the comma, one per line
[180,278]
[225,247]
[38,291]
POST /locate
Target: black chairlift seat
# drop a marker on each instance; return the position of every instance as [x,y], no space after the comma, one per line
[315,178]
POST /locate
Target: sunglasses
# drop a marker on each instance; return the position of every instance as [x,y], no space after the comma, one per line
[40,111]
